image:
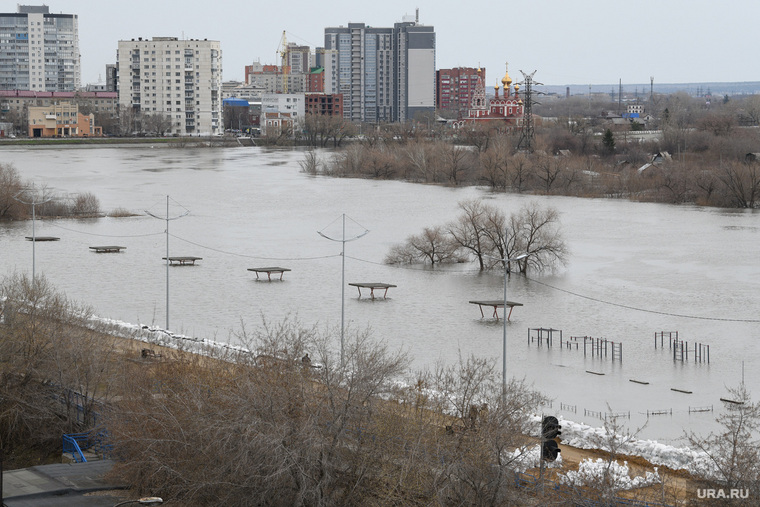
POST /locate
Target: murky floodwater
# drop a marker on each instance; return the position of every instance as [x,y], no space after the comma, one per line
[634,269]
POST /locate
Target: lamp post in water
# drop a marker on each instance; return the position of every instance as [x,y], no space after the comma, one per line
[343,240]
[34,202]
[506,262]
[167,218]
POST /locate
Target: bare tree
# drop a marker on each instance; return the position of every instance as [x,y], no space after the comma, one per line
[266,428]
[157,123]
[742,183]
[55,368]
[539,236]
[495,163]
[10,186]
[733,454]
[486,425]
[454,161]
[468,233]
[548,169]
[519,173]
[421,161]
[433,245]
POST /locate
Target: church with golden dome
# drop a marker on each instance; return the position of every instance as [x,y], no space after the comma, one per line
[505,107]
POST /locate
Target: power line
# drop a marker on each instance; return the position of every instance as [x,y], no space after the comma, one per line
[645,310]
[104,235]
[254,256]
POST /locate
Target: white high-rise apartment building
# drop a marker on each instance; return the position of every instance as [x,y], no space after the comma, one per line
[181,79]
[39,51]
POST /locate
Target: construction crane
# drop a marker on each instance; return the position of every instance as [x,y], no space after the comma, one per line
[284,51]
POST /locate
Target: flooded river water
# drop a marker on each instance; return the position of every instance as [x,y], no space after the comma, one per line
[634,269]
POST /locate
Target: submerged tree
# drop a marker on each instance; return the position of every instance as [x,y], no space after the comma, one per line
[484,232]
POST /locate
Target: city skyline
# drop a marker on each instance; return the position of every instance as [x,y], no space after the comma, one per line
[581,42]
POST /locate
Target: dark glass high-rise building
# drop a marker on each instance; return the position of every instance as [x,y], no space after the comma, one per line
[384,74]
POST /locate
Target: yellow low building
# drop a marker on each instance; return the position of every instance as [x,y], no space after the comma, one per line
[61,119]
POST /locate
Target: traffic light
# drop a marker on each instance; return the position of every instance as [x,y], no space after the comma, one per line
[550,429]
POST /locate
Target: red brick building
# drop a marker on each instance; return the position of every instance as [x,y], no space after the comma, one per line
[320,103]
[455,87]
[316,82]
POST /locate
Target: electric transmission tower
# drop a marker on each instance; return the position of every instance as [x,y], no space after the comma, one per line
[526,135]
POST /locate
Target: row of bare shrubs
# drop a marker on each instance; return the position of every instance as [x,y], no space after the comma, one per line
[20,200]
[700,176]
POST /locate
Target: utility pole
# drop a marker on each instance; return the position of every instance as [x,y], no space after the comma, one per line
[620,95]
[33,203]
[526,135]
[167,218]
[343,240]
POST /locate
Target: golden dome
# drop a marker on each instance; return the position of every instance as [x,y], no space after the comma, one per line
[506,80]
[496,86]
[517,88]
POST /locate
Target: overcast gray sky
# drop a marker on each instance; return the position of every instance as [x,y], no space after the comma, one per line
[565,41]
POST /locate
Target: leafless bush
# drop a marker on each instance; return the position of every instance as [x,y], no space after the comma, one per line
[10,187]
[733,455]
[121,213]
[48,355]
[311,163]
[432,246]
[85,205]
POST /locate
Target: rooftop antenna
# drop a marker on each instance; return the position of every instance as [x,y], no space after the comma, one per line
[417,16]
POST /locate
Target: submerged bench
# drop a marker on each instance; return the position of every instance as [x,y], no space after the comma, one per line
[42,238]
[183,260]
[372,286]
[496,304]
[107,248]
[269,271]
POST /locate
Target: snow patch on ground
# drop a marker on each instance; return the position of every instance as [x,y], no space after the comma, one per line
[614,474]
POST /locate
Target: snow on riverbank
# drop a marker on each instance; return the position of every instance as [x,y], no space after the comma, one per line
[574,434]
[588,437]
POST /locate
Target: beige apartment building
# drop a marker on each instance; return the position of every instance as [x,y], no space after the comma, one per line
[181,79]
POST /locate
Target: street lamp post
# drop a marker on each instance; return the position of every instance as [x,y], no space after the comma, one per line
[343,240]
[167,218]
[34,202]
[506,262]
